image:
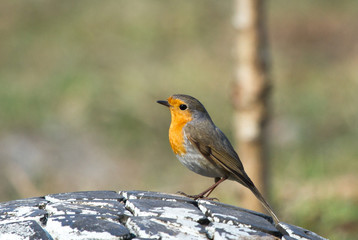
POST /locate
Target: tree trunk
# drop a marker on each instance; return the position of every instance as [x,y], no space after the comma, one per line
[250,94]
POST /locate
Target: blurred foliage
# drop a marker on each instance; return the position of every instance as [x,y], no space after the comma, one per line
[79,81]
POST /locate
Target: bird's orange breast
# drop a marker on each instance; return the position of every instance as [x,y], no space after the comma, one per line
[179,120]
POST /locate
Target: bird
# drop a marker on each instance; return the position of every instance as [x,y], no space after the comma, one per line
[203,148]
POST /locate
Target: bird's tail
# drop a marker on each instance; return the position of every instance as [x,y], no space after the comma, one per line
[259,196]
[246,181]
[267,206]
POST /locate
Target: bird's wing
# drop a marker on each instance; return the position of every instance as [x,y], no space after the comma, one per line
[220,153]
[223,154]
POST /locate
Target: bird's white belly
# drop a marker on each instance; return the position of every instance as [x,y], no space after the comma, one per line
[197,163]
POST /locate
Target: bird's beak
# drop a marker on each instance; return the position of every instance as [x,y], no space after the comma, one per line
[165,103]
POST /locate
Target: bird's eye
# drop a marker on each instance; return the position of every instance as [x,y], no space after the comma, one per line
[183,106]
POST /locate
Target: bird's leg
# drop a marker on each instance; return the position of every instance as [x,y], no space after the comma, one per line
[205,194]
[217,182]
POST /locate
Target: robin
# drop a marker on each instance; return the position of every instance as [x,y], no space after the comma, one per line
[203,147]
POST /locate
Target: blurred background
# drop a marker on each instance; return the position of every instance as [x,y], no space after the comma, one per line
[79,81]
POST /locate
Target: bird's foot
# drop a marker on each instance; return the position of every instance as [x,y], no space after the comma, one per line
[198,196]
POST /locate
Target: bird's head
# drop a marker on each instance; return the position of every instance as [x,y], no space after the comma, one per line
[184,108]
